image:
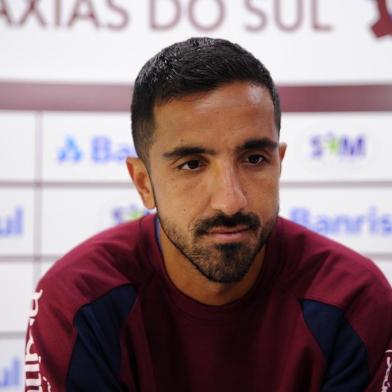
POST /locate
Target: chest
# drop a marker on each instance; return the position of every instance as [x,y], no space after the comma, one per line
[264,347]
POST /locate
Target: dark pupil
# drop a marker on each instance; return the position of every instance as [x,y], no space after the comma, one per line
[194,164]
[254,158]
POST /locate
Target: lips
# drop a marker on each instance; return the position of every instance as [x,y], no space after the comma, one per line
[228,234]
[221,224]
[228,230]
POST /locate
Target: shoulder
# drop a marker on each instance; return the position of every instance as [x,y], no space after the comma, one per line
[82,302]
[115,257]
[319,268]
[346,301]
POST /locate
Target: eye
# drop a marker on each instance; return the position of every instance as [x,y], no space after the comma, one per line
[193,164]
[255,159]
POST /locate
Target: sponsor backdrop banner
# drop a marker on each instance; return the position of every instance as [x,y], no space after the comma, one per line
[300,40]
[66,74]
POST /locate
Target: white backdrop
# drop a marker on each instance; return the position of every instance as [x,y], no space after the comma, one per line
[65,74]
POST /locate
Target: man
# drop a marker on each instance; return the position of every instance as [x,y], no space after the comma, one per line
[215,292]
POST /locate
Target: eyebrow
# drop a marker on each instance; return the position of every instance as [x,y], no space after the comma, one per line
[258,144]
[184,151]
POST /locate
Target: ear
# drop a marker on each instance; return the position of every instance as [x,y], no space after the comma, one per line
[282,152]
[141,179]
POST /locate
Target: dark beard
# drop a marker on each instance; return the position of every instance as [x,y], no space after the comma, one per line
[227,262]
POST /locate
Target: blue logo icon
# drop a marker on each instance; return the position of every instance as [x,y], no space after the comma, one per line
[330,145]
[70,152]
[11,375]
[11,225]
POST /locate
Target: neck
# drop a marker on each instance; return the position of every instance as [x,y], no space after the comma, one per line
[192,283]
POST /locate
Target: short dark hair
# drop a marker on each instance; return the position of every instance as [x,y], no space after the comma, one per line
[192,66]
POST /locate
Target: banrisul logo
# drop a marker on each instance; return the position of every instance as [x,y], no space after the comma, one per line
[330,145]
[383,25]
[370,221]
[11,223]
[11,375]
[101,150]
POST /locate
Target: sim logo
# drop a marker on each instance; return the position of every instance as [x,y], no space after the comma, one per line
[332,146]
[383,26]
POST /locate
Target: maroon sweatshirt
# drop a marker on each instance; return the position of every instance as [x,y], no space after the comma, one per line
[106,317]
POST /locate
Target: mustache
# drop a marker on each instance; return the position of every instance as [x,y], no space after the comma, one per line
[221,220]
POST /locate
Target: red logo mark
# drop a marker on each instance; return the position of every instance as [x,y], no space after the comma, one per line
[384,24]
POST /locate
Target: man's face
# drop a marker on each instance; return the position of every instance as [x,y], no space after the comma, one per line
[214,168]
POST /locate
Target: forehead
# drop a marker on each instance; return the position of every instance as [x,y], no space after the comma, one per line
[232,112]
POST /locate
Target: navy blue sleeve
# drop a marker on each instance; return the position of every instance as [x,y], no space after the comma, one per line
[345,353]
[96,357]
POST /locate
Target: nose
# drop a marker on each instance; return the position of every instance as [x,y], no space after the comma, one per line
[227,193]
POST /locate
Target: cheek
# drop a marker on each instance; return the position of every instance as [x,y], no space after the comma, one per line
[265,196]
[173,201]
